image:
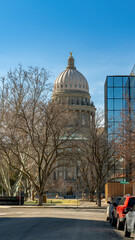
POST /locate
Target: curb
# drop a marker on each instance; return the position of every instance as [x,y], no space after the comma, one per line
[60,207]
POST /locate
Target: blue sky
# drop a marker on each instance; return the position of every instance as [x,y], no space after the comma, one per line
[100,33]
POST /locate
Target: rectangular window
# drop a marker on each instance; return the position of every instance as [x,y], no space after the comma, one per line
[110,92]
[110,116]
[131,202]
[118,93]
[110,104]
[125,93]
[117,126]
[60,174]
[110,81]
[132,101]
[132,92]
[132,82]
[54,176]
[118,116]
[111,128]
[125,81]
[118,82]
[121,202]
[117,104]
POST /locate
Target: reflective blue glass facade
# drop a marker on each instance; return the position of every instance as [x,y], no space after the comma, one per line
[119,97]
[118,91]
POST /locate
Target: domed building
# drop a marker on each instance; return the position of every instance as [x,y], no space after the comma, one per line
[72,90]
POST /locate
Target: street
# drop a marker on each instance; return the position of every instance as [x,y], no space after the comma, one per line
[55,223]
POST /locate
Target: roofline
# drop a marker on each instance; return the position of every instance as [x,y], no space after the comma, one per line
[120,76]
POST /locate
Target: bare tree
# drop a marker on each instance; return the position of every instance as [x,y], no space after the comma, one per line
[34,133]
[9,179]
[97,156]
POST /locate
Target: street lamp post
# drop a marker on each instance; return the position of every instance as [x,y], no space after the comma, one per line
[20,193]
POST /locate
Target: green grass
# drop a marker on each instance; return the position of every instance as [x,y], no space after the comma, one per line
[54,202]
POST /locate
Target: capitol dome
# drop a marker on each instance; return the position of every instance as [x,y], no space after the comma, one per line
[71,89]
[71,79]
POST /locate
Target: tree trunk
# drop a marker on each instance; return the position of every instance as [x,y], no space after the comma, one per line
[40,198]
[91,196]
[99,198]
[32,195]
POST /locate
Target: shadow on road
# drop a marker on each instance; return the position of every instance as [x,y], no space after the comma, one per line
[55,229]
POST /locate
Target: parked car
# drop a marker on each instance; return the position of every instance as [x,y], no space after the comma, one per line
[111,207]
[125,204]
[129,224]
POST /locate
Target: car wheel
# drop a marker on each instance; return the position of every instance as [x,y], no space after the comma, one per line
[126,233]
[113,222]
[110,219]
[119,225]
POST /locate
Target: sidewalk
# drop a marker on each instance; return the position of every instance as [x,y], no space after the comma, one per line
[88,204]
[82,205]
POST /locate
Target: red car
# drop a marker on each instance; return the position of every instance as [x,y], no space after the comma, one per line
[125,204]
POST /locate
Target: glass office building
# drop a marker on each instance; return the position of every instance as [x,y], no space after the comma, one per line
[119,95]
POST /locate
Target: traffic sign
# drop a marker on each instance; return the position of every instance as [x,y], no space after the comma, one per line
[124,182]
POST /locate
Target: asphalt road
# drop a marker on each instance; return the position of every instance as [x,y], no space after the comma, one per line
[55,224]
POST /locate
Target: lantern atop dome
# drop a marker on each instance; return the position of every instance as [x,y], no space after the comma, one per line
[71,62]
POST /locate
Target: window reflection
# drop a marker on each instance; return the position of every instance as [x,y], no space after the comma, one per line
[110,104]
[132,82]
[118,116]
[110,129]
[117,126]
[125,83]
[110,116]
[126,105]
[118,82]
[117,92]
[117,104]
[125,92]
[133,104]
[132,93]
[110,81]
[110,92]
